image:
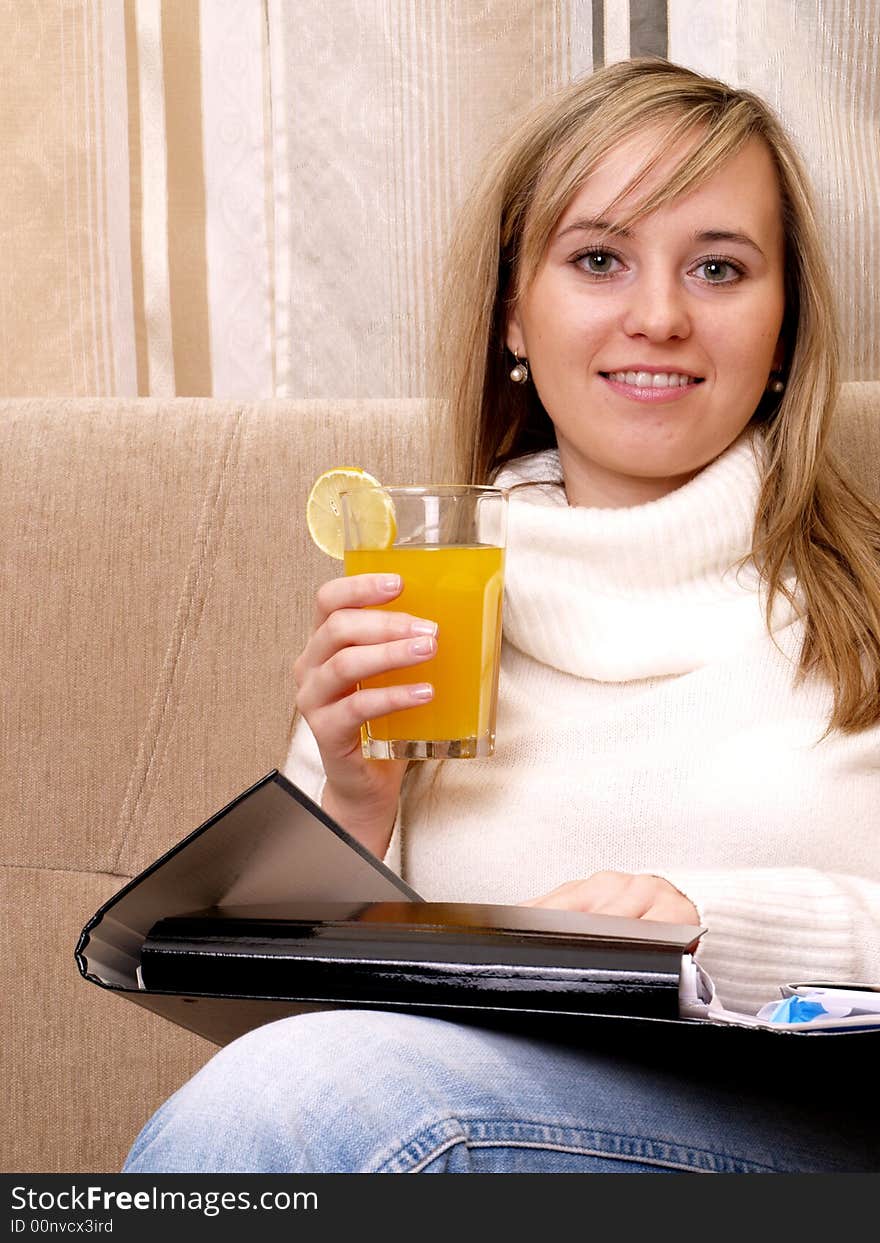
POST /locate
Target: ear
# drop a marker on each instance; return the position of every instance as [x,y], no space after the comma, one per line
[513,334]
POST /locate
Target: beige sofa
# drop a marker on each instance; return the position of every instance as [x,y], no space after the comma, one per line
[157,583]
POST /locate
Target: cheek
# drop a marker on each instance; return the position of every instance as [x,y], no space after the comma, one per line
[761,322]
[746,339]
[557,322]
[566,346]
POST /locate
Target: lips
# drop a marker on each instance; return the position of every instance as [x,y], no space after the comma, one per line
[651,387]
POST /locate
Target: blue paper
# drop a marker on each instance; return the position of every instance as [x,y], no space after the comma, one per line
[796,1010]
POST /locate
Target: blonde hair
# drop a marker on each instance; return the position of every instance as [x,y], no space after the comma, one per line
[810,519]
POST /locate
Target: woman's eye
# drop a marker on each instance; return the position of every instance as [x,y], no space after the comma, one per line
[718,271]
[597,262]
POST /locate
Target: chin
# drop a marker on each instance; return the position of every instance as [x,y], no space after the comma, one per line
[669,457]
[658,467]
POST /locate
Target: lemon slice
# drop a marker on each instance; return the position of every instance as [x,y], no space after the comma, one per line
[376,524]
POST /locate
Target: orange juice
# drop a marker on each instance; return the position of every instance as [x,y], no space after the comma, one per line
[460,588]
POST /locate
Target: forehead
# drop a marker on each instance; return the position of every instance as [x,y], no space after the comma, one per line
[744,189]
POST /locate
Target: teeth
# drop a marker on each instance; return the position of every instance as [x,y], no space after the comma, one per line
[651,379]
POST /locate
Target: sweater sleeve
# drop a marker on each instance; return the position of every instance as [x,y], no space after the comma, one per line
[304,768]
[773,926]
[303,764]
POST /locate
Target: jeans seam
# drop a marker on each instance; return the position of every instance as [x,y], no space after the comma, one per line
[436,1152]
[572,1148]
[428,1141]
[413,1156]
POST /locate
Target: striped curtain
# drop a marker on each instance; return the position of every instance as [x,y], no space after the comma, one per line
[251,198]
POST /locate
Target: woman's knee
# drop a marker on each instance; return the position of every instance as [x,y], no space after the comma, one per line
[331,1090]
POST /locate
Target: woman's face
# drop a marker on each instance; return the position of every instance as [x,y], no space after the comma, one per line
[651,349]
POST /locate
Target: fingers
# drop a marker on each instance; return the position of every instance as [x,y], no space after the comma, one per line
[351,643]
[354,628]
[337,725]
[673,908]
[566,898]
[640,896]
[339,675]
[618,893]
[355,591]
[603,892]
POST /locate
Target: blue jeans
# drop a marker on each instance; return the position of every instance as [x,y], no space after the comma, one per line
[374,1091]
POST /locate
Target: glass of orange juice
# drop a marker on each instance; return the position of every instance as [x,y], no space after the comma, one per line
[448,548]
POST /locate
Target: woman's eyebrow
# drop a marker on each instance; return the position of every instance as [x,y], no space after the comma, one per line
[727,235]
[587,224]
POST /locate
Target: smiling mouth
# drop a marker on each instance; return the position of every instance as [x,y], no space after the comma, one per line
[652,379]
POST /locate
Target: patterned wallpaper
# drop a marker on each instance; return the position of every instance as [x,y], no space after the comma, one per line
[249,198]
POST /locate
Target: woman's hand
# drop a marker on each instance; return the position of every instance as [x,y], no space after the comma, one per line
[622,893]
[348,643]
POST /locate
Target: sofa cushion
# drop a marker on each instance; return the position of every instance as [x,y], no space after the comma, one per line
[159,582]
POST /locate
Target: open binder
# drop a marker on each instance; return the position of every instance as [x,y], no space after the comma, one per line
[271,909]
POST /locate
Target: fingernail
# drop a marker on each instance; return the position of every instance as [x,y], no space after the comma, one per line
[423,627]
[421,647]
[421,691]
[391,583]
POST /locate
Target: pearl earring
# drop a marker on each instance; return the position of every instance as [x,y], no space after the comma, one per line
[776,386]
[519,373]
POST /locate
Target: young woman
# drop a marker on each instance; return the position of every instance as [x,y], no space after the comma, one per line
[637,339]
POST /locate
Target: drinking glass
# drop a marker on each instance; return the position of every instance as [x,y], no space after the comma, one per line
[449,552]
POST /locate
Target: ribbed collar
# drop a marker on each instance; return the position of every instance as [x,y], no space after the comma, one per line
[647,591]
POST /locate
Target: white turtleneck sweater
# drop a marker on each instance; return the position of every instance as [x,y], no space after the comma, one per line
[648,722]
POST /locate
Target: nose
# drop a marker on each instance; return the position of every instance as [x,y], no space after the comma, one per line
[657,308]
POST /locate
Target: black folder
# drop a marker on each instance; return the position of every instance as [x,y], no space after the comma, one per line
[271,909]
[416,954]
